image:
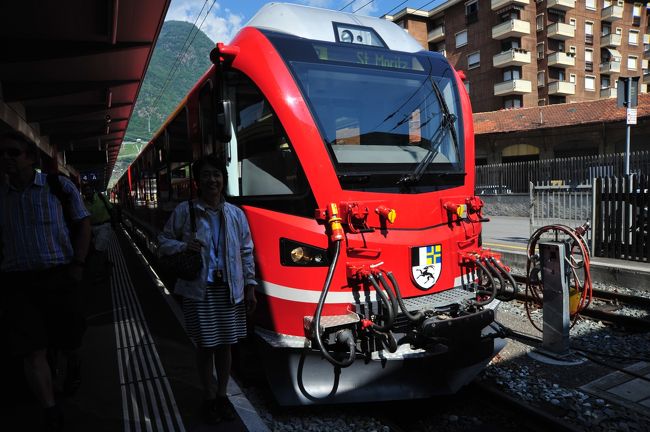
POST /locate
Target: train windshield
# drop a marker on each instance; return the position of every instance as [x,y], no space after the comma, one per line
[389,119]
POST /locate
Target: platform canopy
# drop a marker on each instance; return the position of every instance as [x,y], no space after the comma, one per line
[70,73]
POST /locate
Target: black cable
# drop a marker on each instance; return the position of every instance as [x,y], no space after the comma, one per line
[491,279]
[348,4]
[388,321]
[414,318]
[395,7]
[180,54]
[391,294]
[355,11]
[319,311]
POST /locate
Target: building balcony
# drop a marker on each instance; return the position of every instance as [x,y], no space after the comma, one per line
[607,93]
[437,34]
[513,87]
[498,4]
[644,64]
[646,39]
[560,31]
[511,28]
[610,67]
[561,88]
[562,60]
[611,13]
[611,40]
[564,5]
[512,57]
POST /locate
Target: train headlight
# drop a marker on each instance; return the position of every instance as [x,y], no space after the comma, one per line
[293,253]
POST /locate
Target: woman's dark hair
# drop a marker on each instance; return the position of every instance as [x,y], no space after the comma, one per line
[214,161]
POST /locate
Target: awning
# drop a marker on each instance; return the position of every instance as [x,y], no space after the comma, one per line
[73,70]
[614,55]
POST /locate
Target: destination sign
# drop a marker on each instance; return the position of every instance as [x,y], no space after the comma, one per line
[368,57]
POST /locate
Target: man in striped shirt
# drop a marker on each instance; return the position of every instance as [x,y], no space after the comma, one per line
[44,243]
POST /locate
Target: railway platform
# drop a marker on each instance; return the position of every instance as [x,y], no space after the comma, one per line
[138,370]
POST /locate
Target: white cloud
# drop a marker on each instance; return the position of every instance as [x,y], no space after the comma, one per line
[220,26]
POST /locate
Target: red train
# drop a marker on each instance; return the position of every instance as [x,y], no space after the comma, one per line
[351,151]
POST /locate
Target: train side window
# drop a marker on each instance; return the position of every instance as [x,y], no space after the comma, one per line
[207,118]
[267,164]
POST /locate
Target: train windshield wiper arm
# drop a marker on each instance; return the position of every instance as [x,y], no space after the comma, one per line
[446,125]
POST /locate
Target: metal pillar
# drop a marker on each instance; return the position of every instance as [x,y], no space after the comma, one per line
[555,282]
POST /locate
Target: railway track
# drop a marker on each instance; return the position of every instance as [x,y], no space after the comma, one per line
[604,306]
[479,407]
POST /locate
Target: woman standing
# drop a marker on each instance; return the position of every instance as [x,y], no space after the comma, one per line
[215,304]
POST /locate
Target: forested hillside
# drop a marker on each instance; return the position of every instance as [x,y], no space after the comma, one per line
[162,92]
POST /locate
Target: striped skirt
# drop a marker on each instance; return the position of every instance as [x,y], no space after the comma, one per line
[214,321]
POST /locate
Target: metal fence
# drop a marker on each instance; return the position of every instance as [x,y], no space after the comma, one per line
[515,177]
[559,204]
[621,217]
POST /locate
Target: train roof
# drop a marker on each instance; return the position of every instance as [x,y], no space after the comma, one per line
[319,24]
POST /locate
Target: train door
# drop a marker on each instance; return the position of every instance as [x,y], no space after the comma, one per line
[263,170]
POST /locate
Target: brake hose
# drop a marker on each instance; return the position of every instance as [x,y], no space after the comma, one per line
[390,312]
[342,336]
[415,317]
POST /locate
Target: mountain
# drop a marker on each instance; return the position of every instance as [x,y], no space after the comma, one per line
[161,92]
[152,105]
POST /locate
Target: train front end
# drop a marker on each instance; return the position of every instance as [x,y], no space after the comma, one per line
[373,281]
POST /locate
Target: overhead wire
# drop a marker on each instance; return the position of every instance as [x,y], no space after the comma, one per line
[185,47]
[357,10]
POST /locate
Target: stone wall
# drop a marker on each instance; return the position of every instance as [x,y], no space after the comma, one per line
[506,205]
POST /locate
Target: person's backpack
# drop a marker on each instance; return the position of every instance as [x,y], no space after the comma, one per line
[110,209]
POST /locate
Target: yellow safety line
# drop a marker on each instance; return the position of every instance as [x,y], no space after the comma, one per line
[505,246]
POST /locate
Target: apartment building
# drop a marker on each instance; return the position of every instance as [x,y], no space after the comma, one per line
[525,53]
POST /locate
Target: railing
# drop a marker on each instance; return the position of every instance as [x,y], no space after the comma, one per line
[620,217]
[515,177]
[552,204]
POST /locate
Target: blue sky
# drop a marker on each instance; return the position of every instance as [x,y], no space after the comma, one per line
[226,17]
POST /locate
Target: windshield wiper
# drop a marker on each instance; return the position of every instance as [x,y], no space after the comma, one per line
[446,125]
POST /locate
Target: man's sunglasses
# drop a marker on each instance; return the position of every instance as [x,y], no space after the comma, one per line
[11,152]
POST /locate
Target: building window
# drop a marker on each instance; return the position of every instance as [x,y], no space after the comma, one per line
[631,62]
[605,29]
[589,59]
[541,102]
[471,11]
[589,32]
[590,4]
[461,39]
[572,21]
[633,37]
[590,83]
[511,74]
[512,103]
[606,3]
[636,14]
[540,50]
[572,78]
[541,79]
[604,82]
[540,22]
[474,60]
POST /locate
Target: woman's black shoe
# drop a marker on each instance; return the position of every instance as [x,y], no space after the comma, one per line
[209,412]
[225,408]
